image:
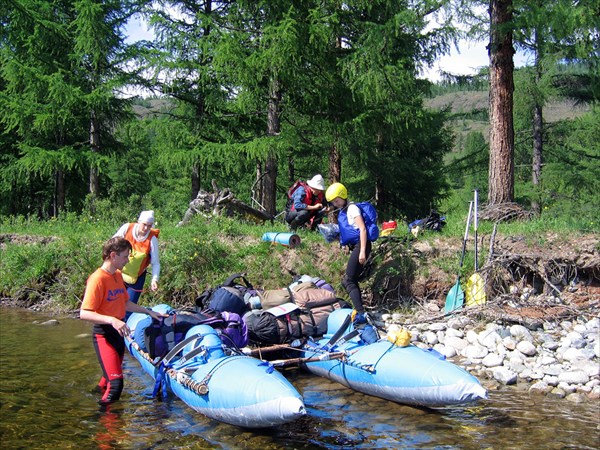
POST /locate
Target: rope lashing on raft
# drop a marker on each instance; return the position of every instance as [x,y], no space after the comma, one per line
[200,387]
[181,377]
[371,368]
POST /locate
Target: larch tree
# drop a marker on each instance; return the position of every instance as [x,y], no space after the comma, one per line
[557,34]
[179,65]
[99,53]
[392,133]
[501,182]
[40,106]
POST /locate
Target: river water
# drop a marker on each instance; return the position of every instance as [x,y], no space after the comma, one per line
[47,373]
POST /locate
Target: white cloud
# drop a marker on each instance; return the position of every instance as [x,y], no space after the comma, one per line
[467,60]
[137,30]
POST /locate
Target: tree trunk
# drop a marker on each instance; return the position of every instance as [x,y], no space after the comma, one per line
[273,129]
[95,147]
[538,133]
[270,186]
[257,194]
[59,193]
[335,161]
[195,181]
[502,166]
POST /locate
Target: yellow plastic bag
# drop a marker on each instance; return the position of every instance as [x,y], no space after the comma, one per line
[475,291]
[131,271]
[400,338]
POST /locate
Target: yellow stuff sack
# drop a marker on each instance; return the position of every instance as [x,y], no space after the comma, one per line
[131,271]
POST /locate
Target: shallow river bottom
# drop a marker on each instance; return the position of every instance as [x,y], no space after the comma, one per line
[47,373]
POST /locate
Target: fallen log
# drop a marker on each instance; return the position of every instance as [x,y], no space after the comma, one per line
[222,202]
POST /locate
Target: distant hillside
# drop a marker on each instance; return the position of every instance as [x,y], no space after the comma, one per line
[469,111]
[151,106]
[465,102]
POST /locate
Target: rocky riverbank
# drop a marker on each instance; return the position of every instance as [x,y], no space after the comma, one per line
[560,359]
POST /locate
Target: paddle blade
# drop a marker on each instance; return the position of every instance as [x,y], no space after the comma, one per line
[455,298]
[475,292]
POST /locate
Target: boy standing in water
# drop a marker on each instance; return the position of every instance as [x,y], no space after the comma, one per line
[104,304]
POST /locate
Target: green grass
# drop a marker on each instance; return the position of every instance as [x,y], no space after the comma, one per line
[193,258]
[206,251]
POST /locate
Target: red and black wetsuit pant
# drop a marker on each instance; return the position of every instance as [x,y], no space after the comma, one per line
[110,348]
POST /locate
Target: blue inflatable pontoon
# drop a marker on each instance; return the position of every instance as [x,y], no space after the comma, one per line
[235,389]
[408,375]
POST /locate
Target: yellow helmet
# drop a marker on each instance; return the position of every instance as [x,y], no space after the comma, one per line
[336,190]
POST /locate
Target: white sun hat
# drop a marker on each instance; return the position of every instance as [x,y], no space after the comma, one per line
[146,217]
[317,182]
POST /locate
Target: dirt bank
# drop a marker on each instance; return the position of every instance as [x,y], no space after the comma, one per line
[527,280]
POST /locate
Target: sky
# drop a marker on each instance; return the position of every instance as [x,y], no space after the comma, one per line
[466,60]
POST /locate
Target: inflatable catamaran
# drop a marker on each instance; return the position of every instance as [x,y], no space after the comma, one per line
[408,375]
[235,389]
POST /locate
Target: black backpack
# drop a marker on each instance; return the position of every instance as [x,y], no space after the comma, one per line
[433,222]
[229,296]
[161,336]
[262,328]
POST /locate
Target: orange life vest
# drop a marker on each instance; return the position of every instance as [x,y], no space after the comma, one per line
[140,255]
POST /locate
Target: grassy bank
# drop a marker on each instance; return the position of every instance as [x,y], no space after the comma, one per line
[45,264]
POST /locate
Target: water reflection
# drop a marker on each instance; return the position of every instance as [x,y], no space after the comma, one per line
[111,432]
[47,373]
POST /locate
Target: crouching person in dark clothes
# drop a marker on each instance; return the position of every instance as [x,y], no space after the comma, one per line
[104,304]
[306,203]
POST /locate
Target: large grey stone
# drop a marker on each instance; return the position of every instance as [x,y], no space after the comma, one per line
[527,348]
[554,369]
[492,360]
[509,343]
[489,339]
[454,332]
[574,354]
[437,326]
[540,388]
[504,375]
[430,337]
[474,351]
[521,333]
[456,342]
[574,377]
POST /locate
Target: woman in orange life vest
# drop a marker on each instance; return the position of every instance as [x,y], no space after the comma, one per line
[104,304]
[144,241]
[354,234]
[306,204]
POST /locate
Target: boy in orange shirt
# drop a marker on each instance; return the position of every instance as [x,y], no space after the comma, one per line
[104,304]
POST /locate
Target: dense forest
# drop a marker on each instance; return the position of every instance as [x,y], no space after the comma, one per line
[256,94]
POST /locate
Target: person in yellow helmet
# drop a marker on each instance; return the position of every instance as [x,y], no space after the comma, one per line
[358,227]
